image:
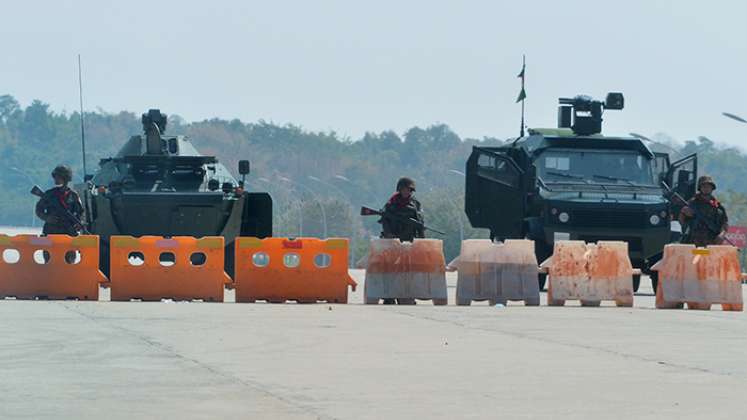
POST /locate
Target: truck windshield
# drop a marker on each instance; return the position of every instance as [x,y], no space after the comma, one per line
[617,167]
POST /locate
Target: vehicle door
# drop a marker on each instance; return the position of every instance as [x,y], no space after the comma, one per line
[682,177]
[494,193]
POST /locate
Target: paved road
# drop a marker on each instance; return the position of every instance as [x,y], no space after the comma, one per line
[203,360]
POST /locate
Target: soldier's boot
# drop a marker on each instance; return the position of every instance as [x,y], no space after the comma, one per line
[406,301]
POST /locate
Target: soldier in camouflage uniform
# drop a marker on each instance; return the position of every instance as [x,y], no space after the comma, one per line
[704,219]
[401,207]
[52,205]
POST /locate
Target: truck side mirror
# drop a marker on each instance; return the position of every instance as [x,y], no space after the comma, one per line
[244,167]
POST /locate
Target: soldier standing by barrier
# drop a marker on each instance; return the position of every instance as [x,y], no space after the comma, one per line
[403,215]
[396,222]
[704,218]
[60,207]
[401,218]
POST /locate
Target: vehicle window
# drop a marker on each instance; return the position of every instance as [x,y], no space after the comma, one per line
[610,167]
[559,163]
[661,166]
[485,161]
[497,169]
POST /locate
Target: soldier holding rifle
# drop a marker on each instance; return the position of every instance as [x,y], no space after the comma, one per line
[60,207]
[704,218]
[401,207]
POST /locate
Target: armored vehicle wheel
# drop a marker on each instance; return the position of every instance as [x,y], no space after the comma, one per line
[636,282]
[542,280]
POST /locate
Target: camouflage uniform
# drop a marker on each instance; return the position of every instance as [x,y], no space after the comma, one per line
[710,210]
[394,222]
[50,205]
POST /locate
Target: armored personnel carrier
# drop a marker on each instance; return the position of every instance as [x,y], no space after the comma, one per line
[572,183]
[161,185]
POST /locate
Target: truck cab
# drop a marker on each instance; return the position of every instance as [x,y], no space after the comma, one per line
[571,183]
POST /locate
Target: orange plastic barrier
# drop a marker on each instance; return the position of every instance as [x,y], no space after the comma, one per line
[699,277]
[497,272]
[51,267]
[279,269]
[155,268]
[590,273]
[406,271]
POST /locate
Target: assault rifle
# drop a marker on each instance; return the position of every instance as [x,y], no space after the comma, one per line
[367,211]
[71,219]
[698,218]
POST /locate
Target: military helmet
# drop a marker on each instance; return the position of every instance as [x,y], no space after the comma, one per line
[705,179]
[64,172]
[405,182]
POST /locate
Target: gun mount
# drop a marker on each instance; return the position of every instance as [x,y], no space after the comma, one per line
[154,124]
[583,114]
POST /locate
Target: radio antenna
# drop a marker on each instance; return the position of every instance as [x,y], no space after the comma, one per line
[82,126]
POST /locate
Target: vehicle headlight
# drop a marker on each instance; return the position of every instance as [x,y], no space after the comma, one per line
[654,219]
[564,217]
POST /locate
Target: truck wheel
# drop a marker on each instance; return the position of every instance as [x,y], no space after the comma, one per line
[636,282]
[654,276]
[542,280]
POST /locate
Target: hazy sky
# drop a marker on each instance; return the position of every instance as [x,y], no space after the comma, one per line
[353,66]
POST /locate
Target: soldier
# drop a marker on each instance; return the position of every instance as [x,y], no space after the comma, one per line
[54,205]
[399,210]
[704,219]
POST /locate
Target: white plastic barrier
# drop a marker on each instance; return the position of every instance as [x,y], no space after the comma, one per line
[497,272]
[406,271]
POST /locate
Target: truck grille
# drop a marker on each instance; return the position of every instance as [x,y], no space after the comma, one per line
[611,219]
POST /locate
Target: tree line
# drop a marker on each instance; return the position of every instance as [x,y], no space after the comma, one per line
[308,173]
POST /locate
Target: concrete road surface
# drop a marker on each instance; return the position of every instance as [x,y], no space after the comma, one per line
[205,360]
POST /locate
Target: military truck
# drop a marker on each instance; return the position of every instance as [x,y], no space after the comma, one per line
[161,185]
[572,183]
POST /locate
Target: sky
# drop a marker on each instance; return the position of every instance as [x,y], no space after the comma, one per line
[353,66]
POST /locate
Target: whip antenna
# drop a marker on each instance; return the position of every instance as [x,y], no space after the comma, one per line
[82,127]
